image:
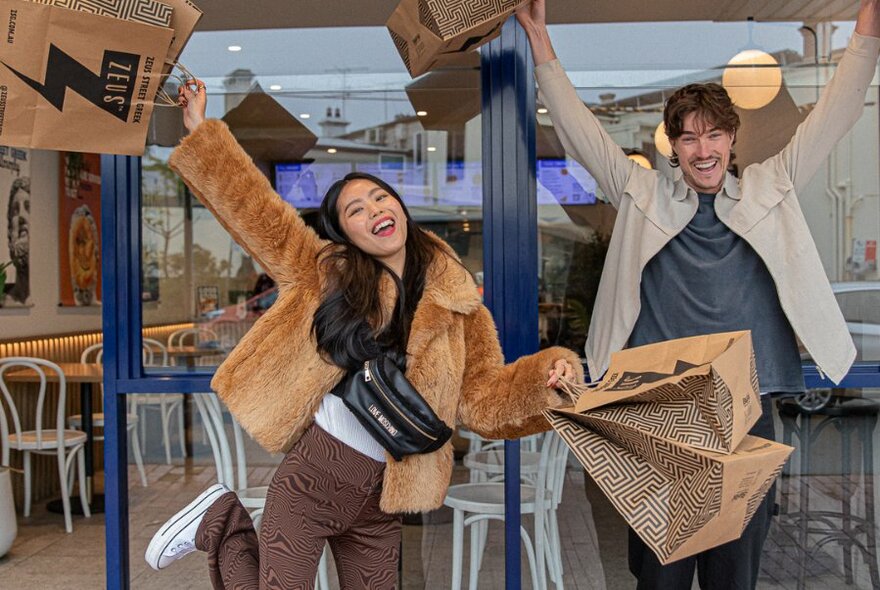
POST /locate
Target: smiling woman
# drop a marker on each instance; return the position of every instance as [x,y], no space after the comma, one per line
[370,283]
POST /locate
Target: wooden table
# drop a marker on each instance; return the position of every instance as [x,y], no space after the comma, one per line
[189,354]
[86,375]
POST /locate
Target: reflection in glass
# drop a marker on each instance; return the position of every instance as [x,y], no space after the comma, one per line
[828,485]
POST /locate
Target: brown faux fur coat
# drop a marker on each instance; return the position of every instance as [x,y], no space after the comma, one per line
[274,380]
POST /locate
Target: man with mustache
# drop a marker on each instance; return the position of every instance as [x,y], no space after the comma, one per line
[18,232]
[707,252]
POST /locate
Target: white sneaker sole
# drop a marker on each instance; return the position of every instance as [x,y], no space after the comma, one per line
[194,510]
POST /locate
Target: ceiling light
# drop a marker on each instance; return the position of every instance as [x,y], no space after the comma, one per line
[304,115]
[641,160]
[432,148]
[752,78]
[543,111]
[661,141]
[234,48]
[331,151]
[275,87]
[422,113]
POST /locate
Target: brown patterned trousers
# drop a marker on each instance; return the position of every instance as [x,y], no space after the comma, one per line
[323,491]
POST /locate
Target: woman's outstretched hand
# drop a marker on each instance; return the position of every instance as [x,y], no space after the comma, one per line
[562,369]
[193,98]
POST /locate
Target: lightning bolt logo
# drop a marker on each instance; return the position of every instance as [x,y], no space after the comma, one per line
[110,91]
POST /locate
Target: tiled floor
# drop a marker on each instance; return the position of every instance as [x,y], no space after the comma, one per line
[44,557]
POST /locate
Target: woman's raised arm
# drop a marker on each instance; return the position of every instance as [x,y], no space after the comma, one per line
[223,177]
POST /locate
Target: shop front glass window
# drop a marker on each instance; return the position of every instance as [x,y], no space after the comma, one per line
[624,73]
[309,106]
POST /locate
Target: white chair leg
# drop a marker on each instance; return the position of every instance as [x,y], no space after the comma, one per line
[257,519]
[166,438]
[70,474]
[83,488]
[142,421]
[474,568]
[530,553]
[26,466]
[457,547]
[555,548]
[540,541]
[484,536]
[65,492]
[181,430]
[219,463]
[323,579]
[136,451]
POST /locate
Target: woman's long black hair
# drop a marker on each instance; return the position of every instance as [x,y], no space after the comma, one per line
[348,324]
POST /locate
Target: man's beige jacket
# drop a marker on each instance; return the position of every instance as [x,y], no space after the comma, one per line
[761,207]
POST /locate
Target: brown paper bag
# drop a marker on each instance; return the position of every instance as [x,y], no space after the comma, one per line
[150,12]
[708,383]
[75,81]
[184,18]
[678,499]
[664,437]
[180,15]
[428,32]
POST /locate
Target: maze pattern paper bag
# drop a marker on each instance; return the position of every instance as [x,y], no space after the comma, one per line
[181,15]
[701,391]
[150,12]
[428,32]
[664,436]
[679,500]
[184,18]
[75,81]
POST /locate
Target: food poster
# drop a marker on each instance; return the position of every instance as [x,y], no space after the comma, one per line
[79,239]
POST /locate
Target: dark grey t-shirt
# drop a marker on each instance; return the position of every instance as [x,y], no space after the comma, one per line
[706,280]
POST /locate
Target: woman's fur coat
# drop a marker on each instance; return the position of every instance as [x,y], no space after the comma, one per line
[274,380]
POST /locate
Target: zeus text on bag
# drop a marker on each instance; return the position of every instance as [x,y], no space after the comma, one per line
[664,436]
[75,81]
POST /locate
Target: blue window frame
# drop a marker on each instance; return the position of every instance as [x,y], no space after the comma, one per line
[510,260]
[510,242]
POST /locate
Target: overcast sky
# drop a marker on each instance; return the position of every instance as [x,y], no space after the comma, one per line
[314,65]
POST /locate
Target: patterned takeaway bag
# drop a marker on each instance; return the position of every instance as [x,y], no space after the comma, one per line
[664,435]
[434,33]
[83,75]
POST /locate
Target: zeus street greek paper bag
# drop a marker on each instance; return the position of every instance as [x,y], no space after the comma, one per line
[75,81]
[429,32]
[181,15]
[664,438]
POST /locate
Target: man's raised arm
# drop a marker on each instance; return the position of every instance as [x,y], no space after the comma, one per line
[581,134]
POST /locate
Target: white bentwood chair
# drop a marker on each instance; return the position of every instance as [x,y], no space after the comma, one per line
[155,354]
[95,354]
[65,444]
[474,504]
[179,337]
[253,498]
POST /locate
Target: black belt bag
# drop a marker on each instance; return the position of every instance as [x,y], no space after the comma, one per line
[392,410]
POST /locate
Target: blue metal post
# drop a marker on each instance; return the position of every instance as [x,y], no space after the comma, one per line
[510,230]
[123,374]
[120,180]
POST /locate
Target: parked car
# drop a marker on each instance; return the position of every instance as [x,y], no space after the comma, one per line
[860,303]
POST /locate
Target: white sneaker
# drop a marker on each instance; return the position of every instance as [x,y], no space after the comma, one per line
[177,536]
